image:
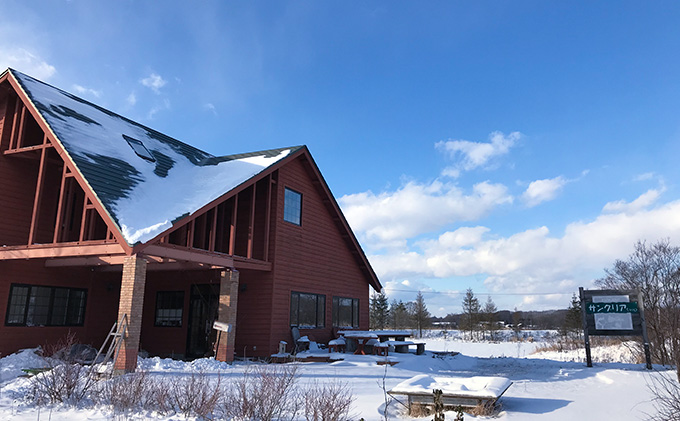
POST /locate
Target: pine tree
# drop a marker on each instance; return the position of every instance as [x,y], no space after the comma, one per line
[471,310]
[573,322]
[420,315]
[489,316]
[379,311]
[398,315]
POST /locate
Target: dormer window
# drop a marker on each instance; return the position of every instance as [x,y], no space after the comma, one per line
[139,148]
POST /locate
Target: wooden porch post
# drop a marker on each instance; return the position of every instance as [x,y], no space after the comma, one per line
[130,304]
[226,313]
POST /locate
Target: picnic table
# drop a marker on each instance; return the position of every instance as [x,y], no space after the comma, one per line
[360,336]
[395,338]
[463,391]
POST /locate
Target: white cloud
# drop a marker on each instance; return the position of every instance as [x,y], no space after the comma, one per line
[26,62]
[86,91]
[543,190]
[643,201]
[154,81]
[388,219]
[473,155]
[534,260]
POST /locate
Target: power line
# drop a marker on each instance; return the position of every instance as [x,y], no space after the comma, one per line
[482,293]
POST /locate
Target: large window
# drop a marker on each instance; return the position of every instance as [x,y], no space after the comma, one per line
[345,312]
[169,306]
[292,207]
[307,310]
[31,305]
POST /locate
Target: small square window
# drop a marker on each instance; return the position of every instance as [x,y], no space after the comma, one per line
[292,207]
[169,307]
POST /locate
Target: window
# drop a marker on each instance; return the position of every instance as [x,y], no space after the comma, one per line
[139,148]
[345,312]
[307,310]
[169,306]
[32,305]
[292,207]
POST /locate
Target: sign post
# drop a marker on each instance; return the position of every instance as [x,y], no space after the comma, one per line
[613,313]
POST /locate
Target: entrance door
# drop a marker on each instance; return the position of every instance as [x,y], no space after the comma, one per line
[202,313]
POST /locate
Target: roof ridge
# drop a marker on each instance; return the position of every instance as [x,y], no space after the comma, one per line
[107,111]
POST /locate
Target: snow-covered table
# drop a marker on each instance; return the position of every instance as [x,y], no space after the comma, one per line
[463,391]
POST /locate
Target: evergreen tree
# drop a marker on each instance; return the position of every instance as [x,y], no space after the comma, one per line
[398,315]
[379,311]
[489,317]
[471,308]
[420,315]
[573,322]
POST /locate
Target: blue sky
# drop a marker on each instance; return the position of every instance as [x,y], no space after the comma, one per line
[517,148]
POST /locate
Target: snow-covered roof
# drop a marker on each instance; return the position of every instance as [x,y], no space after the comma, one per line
[143,192]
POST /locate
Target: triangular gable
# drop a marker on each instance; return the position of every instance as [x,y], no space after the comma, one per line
[341,221]
[142,194]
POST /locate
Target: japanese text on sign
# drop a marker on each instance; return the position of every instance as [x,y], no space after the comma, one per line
[599,308]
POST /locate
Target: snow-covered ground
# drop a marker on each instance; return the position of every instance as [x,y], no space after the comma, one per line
[547,385]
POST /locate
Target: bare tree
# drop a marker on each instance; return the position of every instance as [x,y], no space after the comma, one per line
[489,318]
[655,271]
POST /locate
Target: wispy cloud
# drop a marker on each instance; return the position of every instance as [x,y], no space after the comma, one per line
[210,107]
[154,81]
[540,191]
[87,91]
[471,155]
[131,99]
[644,201]
[25,61]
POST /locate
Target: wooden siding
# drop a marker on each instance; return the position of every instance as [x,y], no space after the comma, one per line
[313,257]
[102,303]
[169,341]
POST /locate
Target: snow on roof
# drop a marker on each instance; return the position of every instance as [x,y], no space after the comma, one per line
[142,195]
[477,386]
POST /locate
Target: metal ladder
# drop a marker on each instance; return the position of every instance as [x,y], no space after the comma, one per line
[114,340]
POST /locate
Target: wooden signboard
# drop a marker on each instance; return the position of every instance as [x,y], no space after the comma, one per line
[613,313]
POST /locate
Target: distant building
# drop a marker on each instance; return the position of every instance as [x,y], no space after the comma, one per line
[102,217]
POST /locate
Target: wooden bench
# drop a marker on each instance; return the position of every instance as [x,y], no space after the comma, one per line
[466,391]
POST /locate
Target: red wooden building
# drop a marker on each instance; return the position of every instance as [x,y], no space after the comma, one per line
[101,217]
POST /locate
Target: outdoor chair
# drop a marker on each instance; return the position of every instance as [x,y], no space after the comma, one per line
[301,342]
[337,345]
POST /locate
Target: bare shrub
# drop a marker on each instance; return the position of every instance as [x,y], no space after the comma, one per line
[327,402]
[419,410]
[486,409]
[263,393]
[666,391]
[195,395]
[64,379]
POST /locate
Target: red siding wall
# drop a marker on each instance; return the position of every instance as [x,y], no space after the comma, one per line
[100,312]
[310,258]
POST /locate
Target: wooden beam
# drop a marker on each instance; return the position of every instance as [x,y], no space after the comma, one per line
[38,196]
[27,149]
[60,205]
[193,255]
[232,230]
[241,263]
[251,223]
[267,223]
[85,261]
[83,218]
[213,232]
[18,109]
[49,250]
